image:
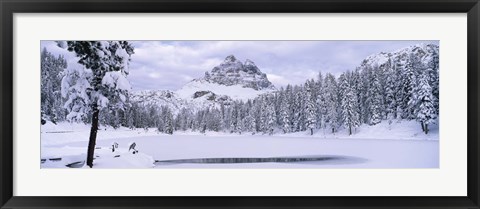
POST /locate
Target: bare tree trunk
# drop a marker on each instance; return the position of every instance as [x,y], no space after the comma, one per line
[311,131]
[350,130]
[426,128]
[93,135]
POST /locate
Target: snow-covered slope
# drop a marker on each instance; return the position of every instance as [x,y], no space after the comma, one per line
[176,101]
[202,89]
[161,98]
[425,53]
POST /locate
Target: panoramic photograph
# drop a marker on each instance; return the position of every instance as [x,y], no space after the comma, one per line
[239,104]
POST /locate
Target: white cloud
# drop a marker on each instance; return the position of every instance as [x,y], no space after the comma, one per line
[278,80]
[154,75]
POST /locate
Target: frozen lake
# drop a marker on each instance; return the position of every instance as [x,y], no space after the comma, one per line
[245,151]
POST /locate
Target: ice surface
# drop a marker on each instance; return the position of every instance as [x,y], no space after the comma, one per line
[376,146]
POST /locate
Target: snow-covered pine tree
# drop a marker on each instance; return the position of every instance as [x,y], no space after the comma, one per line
[270,116]
[233,117]
[285,114]
[302,114]
[376,97]
[102,82]
[240,124]
[130,117]
[184,116]
[349,105]
[289,99]
[365,94]
[425,111]
[294,107]
[196,121]
[433,78]
[249,119]
[202,120]
[398,69]
[177,120]
[227,118]
[356,87]
[332,102]
[222,116]
[277,99]
[152,113]
[135,115]
[390,99]
[320,101]
[342,86]
[50,86]
[256,112]
[310,109]
[297,108]
[409,83]
[142,117]
[115,118]
[216,120]
[212,119]
[168,126]
[433,68]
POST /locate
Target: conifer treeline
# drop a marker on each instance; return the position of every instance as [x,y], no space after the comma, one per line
[50,86]
[402,88]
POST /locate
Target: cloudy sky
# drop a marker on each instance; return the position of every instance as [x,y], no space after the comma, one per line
[171,64]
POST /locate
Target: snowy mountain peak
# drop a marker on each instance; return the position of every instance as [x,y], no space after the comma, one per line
[249,63]
[233,72]
[230,59]
[230,80]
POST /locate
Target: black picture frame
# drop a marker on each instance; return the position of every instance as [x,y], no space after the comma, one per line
[10,7]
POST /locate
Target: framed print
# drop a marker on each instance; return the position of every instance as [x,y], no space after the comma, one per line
[261,104]
[278,121]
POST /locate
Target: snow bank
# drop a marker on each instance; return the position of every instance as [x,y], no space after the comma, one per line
[398,130]
[61,157]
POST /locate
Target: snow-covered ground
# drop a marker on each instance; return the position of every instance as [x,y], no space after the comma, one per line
[404,146]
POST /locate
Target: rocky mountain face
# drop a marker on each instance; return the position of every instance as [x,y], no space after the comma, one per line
[233,72]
